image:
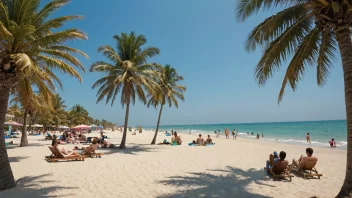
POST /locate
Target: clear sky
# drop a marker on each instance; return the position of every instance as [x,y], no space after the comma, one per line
[205,43]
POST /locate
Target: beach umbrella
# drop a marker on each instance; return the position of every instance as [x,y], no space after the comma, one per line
[93,125]
[12,123]
[100,127]
[64,127]
[82,127]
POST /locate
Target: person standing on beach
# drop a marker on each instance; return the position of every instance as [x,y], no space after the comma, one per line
[233,134]
[227,133]
[262,134]
[308,138]
[218,134]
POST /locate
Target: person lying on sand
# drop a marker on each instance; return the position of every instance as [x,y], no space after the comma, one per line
[302,160]
[164,142]
[272,158]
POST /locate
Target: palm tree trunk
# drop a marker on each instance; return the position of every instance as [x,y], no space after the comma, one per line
[157,125]
[24,140]
[343,37]
[123,141]
[7,180]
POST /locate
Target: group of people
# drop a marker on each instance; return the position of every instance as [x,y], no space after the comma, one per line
[227,133]
[275,159]
[200,141]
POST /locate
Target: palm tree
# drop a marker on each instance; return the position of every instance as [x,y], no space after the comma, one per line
[59,113]
[31,100]
[169,92]
[128,72]
[78,114]
[309,31]
[29,45]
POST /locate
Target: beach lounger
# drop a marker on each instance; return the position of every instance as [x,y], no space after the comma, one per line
[281,169]
[307,168]
[91,153]
[56,156]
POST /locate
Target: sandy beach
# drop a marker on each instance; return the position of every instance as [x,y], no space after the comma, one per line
[231,168]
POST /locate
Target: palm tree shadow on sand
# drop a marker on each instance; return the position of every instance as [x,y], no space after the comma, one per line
[32,186]
[132,149]
[233,183]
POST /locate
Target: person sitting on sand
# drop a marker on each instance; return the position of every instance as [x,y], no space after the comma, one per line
[176,139]
[208,140]
[332,143]
[272,158]
[200,140]
[48,136]
[302,160]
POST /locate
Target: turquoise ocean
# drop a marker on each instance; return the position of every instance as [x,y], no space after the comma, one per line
[284,132]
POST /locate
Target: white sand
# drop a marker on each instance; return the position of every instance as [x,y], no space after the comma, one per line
[231,168]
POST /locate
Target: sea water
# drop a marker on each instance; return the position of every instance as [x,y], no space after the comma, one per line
[285,132]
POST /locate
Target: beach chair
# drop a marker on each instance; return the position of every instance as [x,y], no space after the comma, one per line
[307,168]
[56,156]
[281,169]
[91,153]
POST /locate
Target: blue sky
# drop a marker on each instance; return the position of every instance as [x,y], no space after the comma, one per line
[205,43]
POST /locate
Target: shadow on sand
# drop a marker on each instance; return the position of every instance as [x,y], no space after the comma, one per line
[232,182]
[17,159]
[33,187]
[132,149]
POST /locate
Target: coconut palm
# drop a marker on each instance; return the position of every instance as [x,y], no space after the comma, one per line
[78,115]
[29,45]
[169,92]
[59,113]
[308,33]
[127,71]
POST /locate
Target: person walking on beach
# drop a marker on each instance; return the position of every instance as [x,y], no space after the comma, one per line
[308,138]
[227,133]
[218,134]
[233,134]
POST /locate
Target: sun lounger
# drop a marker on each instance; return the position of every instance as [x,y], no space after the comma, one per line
[281,169]
[56,156]
[307,168]
[91,153]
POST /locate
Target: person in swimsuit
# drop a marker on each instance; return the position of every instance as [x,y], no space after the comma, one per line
[200,140]
[308,138]
[227,133]
[208,140]
[332,143]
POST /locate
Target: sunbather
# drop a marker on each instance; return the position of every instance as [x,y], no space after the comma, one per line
[272,158]
[208,140]
[54,143]
[277,161]
[90,149]
[164,142]
[200,140]
[302,160]
[176,139]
